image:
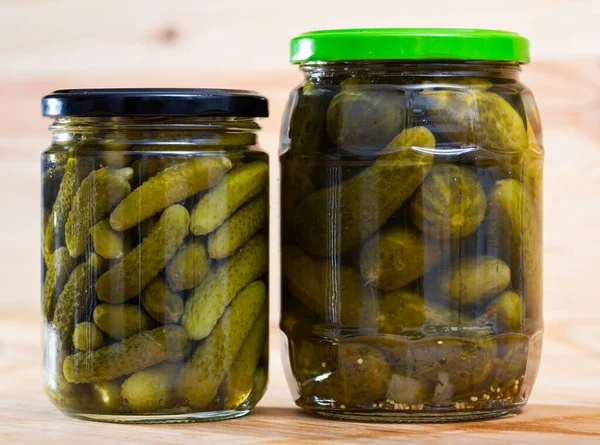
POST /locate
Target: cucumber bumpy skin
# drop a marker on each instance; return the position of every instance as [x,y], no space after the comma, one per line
[60,266]
[96,196]
[164,305]
[203,374]
[209,300]
[333,291]
[150,389]
[238,384]
[239,228]
[396,256]
[240,185]
[189,266]
[449,204]
[174,184]
[87,336]
[140,266]
[121,320]
[478,118]
[126,357]
[359,206]
[54,233]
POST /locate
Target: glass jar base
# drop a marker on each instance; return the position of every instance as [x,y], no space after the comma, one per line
[433,416]
[162,418]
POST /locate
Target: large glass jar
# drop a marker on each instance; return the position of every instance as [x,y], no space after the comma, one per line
[411,225]
[155,254]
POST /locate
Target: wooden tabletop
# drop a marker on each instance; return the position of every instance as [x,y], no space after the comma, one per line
[230,43]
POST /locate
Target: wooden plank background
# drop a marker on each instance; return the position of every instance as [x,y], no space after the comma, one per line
[52,44]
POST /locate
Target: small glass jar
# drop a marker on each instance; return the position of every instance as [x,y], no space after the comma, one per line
[155,254]
[411,225]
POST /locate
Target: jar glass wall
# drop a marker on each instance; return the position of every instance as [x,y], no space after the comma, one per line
[155,267]
[412,239]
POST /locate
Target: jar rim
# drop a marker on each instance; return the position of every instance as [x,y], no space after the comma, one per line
[201,102]
[410,44]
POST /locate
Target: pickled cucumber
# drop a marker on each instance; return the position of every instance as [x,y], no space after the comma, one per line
[240,185]
[508,309]
[108,243]
[385,186]
[361,375]
[332,290]
[409,390]
[96,196]
[202,375]
[400,309]
[121,320]
[107,396]
[146,226]
[239,228]
[395,257]
[449,204]
[259,385]
[126,357]
[150,389]
[74,303]
[364,116]
[164,305]
[475,279]
[146,167]
[54,234]
[140,266]
[189,266]
[168,187]
[479,118]
[237,386]
[60,266]
[209,300]
[51,184]
[87,336]
[512,207]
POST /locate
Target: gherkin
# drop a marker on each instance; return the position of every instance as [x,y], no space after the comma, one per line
[60,265]
[385,186]
[164,305]
[121,320]
[189,266]
[150,389]
[400,309]
[366,117]
[449,204]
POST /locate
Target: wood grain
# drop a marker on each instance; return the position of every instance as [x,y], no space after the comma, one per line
[46,45]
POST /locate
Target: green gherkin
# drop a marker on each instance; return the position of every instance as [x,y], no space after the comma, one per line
[189,266]
[128,356]
[87,336]
[107,396]
[449,204]
[397,256]
[96,196]
[466,362]
[332,290]
[239,186]
[238,384]
[400,309]
[508,308]
[210,363]
[109,243]
[211,298]
[514,212]
[475,279]
[477,117]
[172,185]
[60,265]
[365,117]
[239,228]
[150,389]
[259,386]
[164,305]
[121,320]
[140,266]
[361,375]
[385,186]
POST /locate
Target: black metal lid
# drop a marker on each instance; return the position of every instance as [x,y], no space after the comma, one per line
[155,102]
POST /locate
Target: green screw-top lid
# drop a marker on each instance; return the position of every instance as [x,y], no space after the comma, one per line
[409,44]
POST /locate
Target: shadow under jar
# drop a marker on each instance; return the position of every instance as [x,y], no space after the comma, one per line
[411,225]
[155,254]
